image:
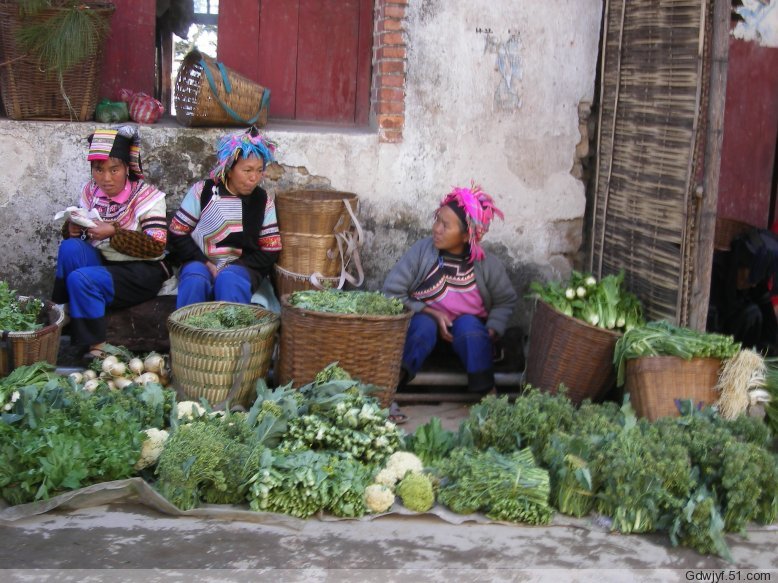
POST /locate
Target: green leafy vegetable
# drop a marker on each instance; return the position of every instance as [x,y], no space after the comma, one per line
[362,303]
[18,315]
[226,318]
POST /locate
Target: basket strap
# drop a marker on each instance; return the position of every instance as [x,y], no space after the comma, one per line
[349,243]
[245,354]
[228,88]
[8,344]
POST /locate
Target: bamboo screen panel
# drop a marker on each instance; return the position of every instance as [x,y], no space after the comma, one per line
[648,131]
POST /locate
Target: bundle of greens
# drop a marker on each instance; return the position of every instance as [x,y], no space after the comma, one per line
[18,315]
[302,483]
[504,486]
[663,339]
[431,443]
[605,304]
[362,303]
[208,460]
[227,318]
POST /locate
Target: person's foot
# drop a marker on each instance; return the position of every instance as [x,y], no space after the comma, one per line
[395,415]
[95,352]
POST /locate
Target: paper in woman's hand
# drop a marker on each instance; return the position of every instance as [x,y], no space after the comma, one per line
[81,217]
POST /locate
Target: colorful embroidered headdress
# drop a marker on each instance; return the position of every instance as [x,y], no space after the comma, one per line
[121,142]
[476,210]
[245,144]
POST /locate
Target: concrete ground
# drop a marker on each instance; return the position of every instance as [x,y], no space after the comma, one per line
[128,541]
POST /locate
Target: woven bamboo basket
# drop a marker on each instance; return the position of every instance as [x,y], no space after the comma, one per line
[565,350]
[24,348]
[369,348]
[32,93]
[211,363]
[316,212]
[305,253]
[287,282]
[727,230]
[656,383]
[209,94]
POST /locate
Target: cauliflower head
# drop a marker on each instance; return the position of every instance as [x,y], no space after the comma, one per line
[188,410]
[386,478]
[403,462]
[378,498]
[152,447]
[416,492]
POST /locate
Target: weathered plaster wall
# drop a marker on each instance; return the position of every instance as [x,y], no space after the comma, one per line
[493,92]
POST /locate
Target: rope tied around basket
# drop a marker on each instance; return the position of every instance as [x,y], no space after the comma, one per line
[228,89]
[348,243]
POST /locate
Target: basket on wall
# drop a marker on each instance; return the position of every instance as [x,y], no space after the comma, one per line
[28,91]
[209,94]
[656,383]
[25,348]
[220,365]
[369,348]
[565,350]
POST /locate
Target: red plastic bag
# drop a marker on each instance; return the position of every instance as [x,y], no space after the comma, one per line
[143,108]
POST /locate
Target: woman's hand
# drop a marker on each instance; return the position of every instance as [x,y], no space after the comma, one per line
[443,321]
[101,231]
[212,268]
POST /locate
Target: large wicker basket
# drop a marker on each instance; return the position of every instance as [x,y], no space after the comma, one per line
[315,212]
[304,253]
[32,93]
[209,94]
[565,350]
[656,383]
[369,348]
[727,230]
[23,348]
[220,364]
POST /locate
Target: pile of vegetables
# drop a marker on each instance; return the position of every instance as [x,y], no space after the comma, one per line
[362,303]
[56,436]
[120,368]
[227,318]
[605,304]
[664,339]
[16,315]
[695,477]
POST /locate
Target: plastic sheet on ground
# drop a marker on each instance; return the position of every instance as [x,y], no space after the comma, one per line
[138,490]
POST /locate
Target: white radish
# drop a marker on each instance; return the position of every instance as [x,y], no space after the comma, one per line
[108,362]
[147,377]
[118,370]
[121,382]
[91,385]
[77,377]
[89,374]
[153,363]
[136,366]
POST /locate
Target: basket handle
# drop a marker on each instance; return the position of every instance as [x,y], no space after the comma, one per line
[228,88]
[349,243]
[245,354]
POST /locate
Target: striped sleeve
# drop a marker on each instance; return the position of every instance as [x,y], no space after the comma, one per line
[269,234]
[188,214]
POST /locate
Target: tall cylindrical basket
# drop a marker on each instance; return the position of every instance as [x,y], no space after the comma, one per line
[220,364]
[369,348]
[565,350]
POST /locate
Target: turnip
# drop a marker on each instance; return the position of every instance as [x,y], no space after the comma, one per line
[118,369]
[91,385]
[77,377]
[108,362]
[136,366]
[153,363]
[89,374]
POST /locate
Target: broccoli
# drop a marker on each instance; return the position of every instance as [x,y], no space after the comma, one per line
[416,492]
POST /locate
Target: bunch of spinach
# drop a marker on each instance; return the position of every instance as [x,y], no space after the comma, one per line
[362,303]
[18,315]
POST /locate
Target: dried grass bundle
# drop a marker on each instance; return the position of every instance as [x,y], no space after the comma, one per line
[741,373]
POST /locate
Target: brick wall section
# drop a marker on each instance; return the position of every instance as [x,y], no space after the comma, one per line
[389,69]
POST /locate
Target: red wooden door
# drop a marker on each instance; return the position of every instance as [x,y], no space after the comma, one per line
[314,55]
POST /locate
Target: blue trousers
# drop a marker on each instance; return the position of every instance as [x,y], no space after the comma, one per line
[471,343]
[196,284]
[90,285]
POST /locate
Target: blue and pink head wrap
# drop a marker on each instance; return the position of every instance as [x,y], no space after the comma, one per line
[241,144]
[476,210]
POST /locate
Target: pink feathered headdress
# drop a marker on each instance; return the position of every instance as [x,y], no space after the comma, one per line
[478,209]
